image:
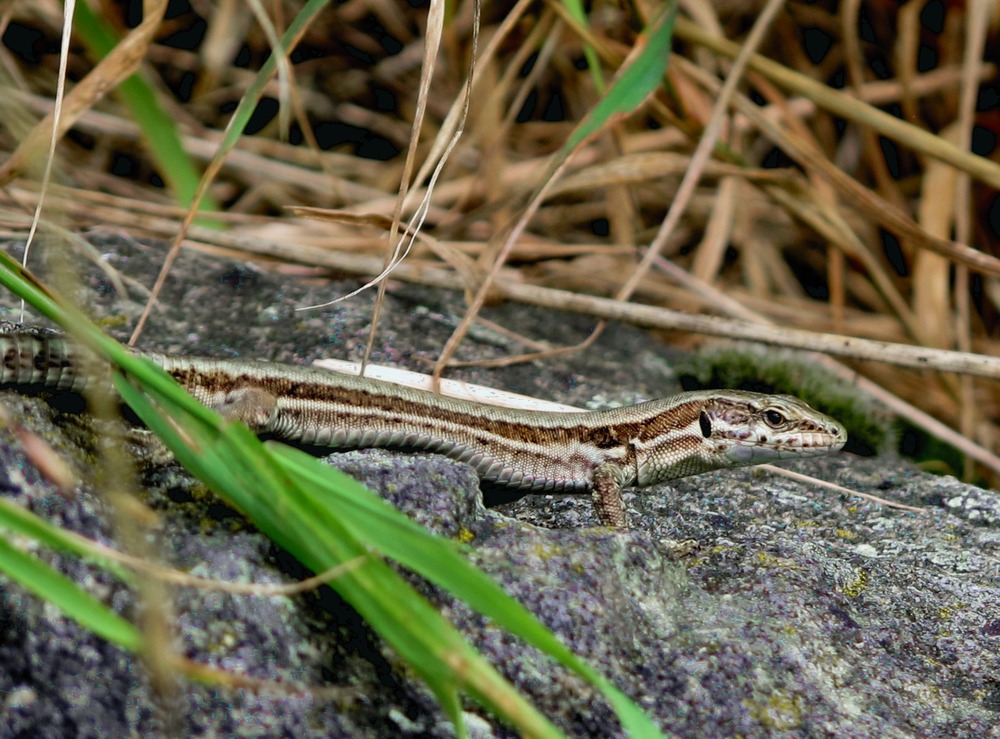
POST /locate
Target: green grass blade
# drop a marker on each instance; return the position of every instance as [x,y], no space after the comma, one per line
[234,463]
[579,13]
[20,521]
[441,561]
[248,103]
[68,597]
[642,74]
[318,501]
[158,128]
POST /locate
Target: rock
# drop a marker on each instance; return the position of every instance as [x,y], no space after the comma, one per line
[742,603]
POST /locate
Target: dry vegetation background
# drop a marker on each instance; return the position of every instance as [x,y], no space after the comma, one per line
[808,214]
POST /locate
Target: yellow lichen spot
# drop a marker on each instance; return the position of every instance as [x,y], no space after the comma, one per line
[766,559]
[545,552]
[856,586]
[465,536]
[782,711]
[845,534]
[946,613]
[121,321]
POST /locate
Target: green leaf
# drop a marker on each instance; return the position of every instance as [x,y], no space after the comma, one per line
[641,73]
[68,597]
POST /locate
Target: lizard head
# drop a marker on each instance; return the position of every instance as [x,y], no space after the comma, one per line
[707,430]
[750,428]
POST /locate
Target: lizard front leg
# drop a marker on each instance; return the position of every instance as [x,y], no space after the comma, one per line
[607,495]
[254,406]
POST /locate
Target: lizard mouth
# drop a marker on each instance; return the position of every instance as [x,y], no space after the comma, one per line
[750,451]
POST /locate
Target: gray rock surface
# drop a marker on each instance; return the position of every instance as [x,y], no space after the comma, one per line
[742,603]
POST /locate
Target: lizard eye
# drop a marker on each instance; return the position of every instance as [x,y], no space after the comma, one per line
[773,418]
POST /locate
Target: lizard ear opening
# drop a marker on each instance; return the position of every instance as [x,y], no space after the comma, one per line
[706,424]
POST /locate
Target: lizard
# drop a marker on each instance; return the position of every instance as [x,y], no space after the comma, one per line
[598,452]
